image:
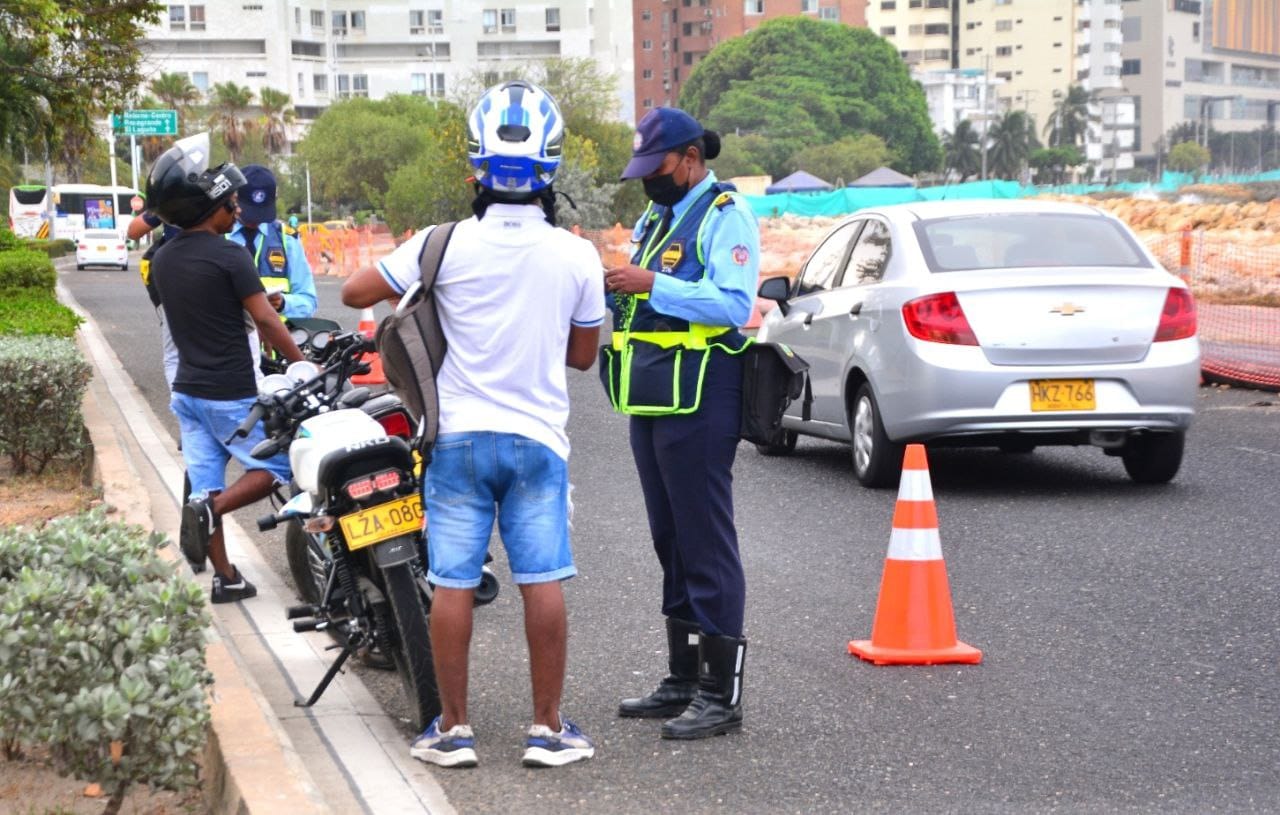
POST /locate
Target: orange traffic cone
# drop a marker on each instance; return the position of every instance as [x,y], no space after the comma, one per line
[369,327]
[914,623]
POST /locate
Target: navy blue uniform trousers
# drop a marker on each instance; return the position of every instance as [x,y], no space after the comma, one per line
[686,472]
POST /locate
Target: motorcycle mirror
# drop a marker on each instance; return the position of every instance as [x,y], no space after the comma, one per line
[302,371]
[265,449]
[273,384]
[355,397]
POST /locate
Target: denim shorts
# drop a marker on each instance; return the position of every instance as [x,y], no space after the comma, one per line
[475,477]
[205,425]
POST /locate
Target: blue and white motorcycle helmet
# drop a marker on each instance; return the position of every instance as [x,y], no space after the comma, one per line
[514,137]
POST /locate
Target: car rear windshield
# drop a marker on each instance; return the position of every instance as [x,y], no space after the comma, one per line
[1019,240]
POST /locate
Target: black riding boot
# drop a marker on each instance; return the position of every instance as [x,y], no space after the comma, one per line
[677,690]
[717,708]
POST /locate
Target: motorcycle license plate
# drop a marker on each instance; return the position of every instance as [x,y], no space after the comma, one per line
[402,516]
[1062,394]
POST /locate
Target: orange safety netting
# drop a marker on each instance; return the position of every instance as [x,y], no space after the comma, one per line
[342,252]
[1237,288]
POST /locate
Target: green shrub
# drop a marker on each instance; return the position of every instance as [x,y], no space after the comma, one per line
[8,240]
[42,381]
[52,249]
[26,269]
[29,312]
[101,643]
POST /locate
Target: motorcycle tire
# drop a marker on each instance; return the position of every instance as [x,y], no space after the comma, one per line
[412,648]
[306,563]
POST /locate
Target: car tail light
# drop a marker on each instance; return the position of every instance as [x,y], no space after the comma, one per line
[362,488]
[83,246]
[938,318]
[120,246]
[1178,317]
[396,424]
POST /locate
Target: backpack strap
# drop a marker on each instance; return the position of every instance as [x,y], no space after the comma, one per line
[433,254]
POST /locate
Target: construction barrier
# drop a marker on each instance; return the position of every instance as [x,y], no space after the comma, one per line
[1236,284]
[342,252]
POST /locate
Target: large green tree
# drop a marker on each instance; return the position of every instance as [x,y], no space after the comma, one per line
[64,65]
[963,150]
[1069,122]
[845,160]
[1011,139]
[228,106]
[800,82]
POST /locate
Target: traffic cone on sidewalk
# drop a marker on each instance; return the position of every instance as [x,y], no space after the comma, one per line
[914,623]
[368,326]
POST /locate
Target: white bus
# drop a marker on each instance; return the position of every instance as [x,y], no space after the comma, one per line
[77,207]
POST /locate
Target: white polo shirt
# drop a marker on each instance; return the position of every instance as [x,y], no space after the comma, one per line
[508,290]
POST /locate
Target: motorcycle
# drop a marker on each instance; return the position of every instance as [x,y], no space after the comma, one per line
[356,520]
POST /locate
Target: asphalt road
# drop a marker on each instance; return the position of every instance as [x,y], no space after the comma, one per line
[1131,634]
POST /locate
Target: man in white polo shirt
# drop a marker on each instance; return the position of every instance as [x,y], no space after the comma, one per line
[519,299]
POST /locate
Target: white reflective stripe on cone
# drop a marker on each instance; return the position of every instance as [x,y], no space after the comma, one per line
[915,544]
[915,486]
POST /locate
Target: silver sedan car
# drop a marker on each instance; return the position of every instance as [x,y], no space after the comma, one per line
[988,323]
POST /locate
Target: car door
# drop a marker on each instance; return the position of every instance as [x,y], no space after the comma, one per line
[855,308]
[804,329]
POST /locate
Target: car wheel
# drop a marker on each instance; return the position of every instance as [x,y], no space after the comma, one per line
[124,267]
[79,267]
[1153,458]
[877,461]
[784,446]
[1017,446]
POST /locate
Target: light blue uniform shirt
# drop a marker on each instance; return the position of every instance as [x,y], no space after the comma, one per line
[300,300]
[726,294]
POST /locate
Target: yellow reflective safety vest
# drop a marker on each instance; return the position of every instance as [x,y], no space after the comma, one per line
[656,363]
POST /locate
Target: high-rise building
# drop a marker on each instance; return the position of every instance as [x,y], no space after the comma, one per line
[319,51]
[1214,63]
[671,36]
[1035,49]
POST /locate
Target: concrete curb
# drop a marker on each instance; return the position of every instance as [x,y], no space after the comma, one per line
[250,763]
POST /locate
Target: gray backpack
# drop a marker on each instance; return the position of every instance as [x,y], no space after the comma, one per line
[412,344]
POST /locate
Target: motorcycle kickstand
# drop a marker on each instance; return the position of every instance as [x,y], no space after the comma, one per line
[347,650]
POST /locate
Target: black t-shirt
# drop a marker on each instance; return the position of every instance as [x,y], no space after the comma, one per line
[203,280]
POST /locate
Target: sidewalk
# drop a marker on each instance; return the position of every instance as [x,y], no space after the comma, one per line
[264,756]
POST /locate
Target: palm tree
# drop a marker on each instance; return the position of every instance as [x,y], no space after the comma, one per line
[1012,138]
[1069,122]
[277,115]
[227,106]
[962,151]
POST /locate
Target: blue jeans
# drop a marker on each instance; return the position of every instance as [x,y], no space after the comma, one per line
[476,477]
[205,424]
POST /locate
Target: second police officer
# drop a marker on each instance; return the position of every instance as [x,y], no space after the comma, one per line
[674,367]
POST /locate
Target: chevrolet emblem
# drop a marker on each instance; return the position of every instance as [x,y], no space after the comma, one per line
[1067,309]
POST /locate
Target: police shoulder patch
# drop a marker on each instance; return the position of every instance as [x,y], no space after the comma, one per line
[723,200]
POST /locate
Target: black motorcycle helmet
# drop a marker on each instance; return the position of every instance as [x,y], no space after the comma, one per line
[182,190]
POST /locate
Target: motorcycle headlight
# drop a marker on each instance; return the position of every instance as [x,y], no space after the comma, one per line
[301,371]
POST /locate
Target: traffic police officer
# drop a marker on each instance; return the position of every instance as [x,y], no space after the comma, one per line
[279,258]
[673,366]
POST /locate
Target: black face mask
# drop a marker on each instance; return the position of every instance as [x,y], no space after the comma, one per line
[663,189]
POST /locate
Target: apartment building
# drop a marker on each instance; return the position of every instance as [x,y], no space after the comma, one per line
[319,51]
[955,94]
[1034,50]
[671,36]
[1215,63]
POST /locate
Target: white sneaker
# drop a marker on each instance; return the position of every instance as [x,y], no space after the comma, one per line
[452,748]
[547,748]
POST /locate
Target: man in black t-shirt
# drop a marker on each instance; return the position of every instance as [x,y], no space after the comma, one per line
[208,287]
